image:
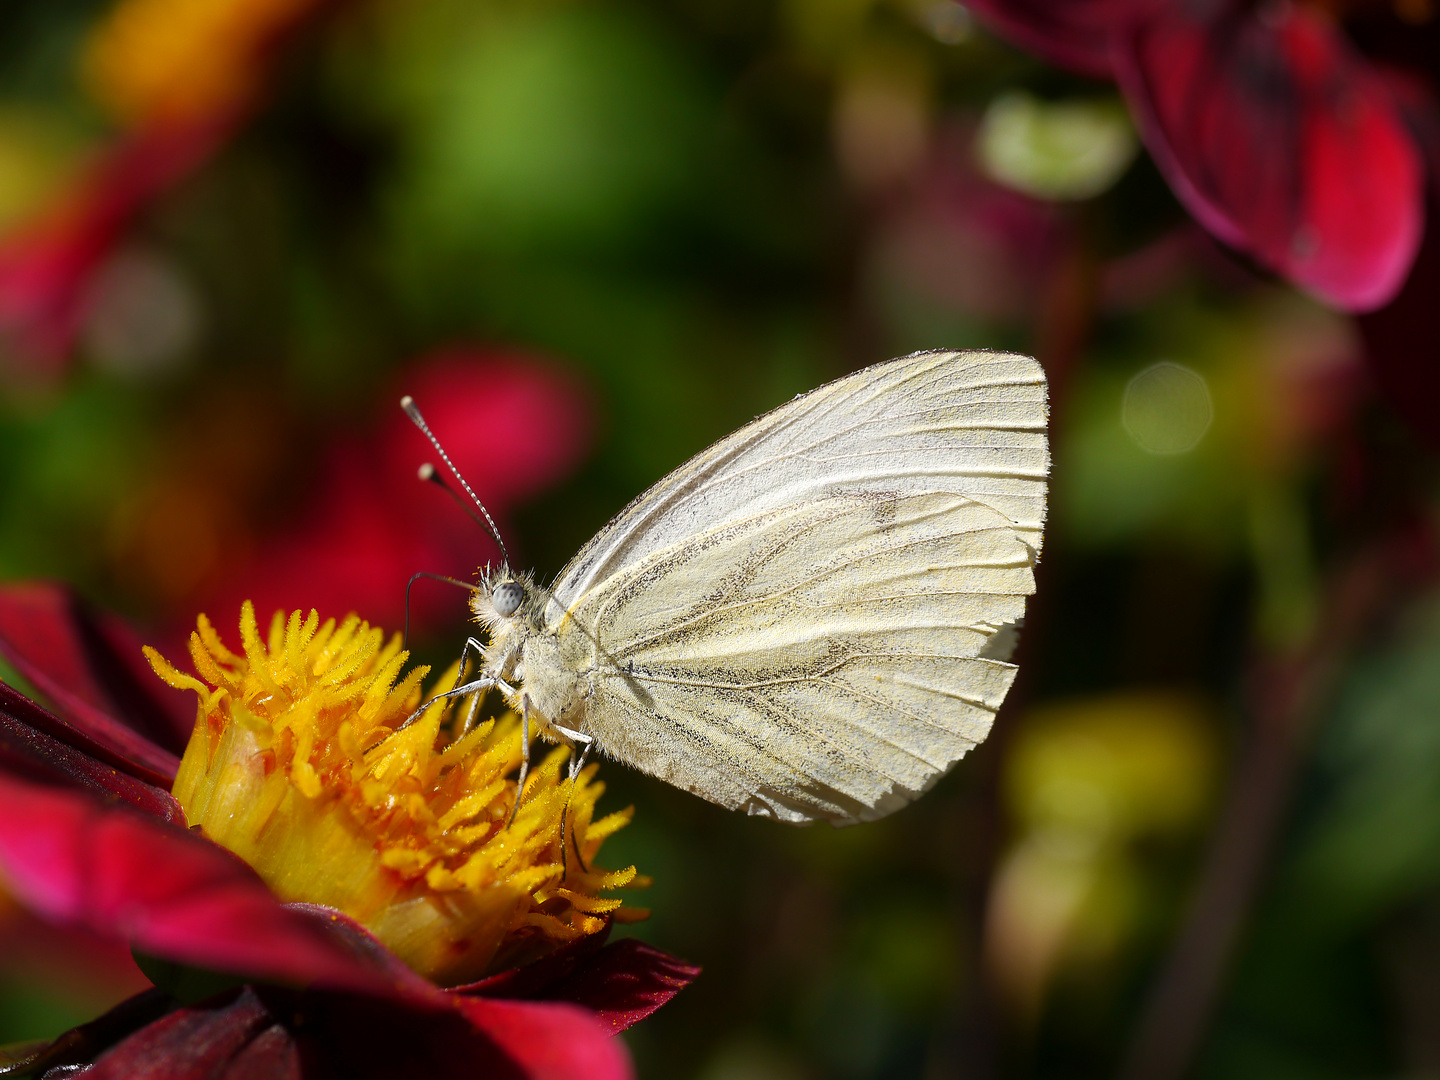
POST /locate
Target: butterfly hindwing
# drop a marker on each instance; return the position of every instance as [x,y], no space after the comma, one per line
[822,661]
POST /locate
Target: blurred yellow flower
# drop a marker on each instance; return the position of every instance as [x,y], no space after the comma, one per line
[165,60]
[294,765]
[1084,781]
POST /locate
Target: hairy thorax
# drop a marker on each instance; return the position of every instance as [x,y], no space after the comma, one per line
[554,678]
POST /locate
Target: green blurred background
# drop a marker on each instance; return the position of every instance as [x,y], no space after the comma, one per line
[1226,731]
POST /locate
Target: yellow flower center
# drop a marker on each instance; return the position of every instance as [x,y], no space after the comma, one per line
[295,765]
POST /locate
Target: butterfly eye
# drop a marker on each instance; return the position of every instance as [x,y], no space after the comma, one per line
[507,597]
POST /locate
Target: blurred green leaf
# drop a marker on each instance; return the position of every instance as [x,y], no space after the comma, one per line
[568,127]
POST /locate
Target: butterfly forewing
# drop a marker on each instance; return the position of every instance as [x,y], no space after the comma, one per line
[808,620]
[971,423]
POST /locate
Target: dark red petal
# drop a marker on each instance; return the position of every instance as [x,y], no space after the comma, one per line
[234,1038]
[29,748]
[1072,34]
[625,982]
[534,979]
[1283,143]
[550,1041]
[622,983]
[364,948]
[85,1043]
[264,1033]
[91,667]
[545,1040]
[168,891]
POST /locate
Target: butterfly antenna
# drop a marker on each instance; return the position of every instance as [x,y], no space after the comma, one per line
[431,475]
[411,410]
[405,640]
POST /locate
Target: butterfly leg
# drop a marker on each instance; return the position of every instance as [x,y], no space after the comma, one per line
[460,691]
[500,684]
[580,745]
[524,757]
[482,683]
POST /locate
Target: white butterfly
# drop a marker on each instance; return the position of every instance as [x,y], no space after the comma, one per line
[811,619]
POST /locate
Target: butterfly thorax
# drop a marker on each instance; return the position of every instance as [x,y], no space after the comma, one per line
[525,649]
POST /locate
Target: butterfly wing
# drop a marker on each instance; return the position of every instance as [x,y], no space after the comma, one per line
[967,422]
[824,661]
[810,619]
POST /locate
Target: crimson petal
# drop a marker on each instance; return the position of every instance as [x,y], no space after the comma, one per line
[29,747]
[625,982]
[268,1033]
[1282,142]
[169,892]
[552,1041]
[89,665]
[83,1044]
[233,1038]
[550,1038]
[622,983]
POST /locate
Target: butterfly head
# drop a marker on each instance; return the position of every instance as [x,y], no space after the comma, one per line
[503,596]
[507,597]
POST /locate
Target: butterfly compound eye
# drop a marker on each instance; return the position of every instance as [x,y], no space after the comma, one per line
[507,597]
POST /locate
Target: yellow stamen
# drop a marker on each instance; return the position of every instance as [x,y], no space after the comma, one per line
[295,765]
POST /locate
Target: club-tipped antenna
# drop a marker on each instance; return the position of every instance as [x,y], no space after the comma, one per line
[408,404]
[430,475]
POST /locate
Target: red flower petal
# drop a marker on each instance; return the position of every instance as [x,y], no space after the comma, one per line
[237,1037]
[550,1038]
[1072,34]
[622,983]
[551,1041]
[168,891]
[42,747]
[91,667]
[277,1034]
[83,1044]
[1282,143]
[625,982]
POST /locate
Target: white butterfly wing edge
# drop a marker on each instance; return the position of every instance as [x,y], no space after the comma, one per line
[809,619]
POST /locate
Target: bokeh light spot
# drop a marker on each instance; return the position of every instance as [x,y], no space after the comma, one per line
[1055,150]
[1167,408]
[142,315]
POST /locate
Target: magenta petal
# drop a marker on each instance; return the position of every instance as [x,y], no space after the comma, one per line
[90,666]
[622,983]
[165,890]
[365,948]
[265,1032]
[29,748]
[625,982]
[1282,143]
[550,1041]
